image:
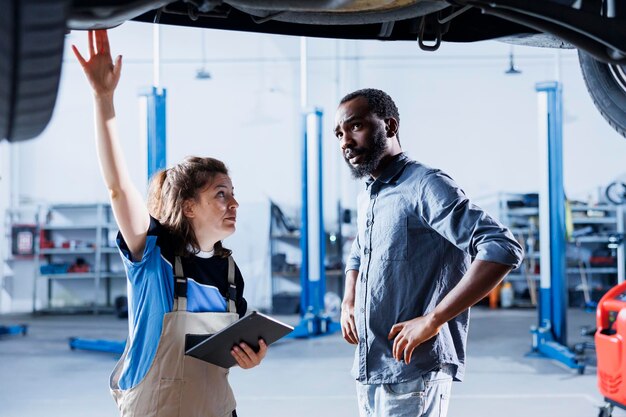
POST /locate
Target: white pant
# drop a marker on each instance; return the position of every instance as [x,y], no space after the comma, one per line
[427,396]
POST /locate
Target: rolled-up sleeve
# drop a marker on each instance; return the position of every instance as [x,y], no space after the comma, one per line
[354,259]
[445,208]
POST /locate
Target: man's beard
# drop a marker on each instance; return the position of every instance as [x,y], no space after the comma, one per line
[371,157]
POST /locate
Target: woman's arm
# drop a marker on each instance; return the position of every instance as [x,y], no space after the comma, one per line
[128,205]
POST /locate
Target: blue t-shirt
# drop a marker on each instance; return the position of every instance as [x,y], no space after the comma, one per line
[151,295]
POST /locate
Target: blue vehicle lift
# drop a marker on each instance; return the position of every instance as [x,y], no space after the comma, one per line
[549,337]
[14,329]
[155,103]
[313,319]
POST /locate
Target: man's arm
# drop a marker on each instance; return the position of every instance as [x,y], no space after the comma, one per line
[480,279]
[348,326]
[443,206]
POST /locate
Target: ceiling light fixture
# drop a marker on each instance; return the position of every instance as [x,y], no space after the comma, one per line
[512,70]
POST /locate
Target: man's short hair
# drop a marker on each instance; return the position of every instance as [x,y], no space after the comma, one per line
[379,102]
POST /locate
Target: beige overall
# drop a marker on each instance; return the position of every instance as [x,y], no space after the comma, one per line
[177,385]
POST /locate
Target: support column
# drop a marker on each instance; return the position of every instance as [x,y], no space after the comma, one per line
[314,320]
[155,100]
[550,336]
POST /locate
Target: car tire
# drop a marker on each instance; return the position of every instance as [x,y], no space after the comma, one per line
[32,35]
[606,84]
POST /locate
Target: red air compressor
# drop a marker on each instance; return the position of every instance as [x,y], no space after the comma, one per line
[610,340]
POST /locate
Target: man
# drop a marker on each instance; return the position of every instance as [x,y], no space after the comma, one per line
[410,278]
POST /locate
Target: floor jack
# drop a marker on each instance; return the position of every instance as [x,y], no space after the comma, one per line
[98,345]
[609,337]
[102,345]
[14,329]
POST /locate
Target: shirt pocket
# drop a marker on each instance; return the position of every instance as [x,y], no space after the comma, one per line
[421,242]
[393,241]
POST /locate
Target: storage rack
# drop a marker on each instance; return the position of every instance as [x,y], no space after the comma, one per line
[285,259]
[76,230]
[593,227]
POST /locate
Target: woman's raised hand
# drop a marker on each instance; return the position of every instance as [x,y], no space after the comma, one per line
[102,73]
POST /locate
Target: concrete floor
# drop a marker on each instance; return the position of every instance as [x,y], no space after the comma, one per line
[40,375]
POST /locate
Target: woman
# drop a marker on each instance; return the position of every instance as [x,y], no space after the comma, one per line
[181,280]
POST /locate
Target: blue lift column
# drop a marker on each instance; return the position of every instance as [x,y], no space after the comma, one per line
[155,119]
[549,338]
[314,321]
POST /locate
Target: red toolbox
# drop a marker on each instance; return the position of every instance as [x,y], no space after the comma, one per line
[609,341]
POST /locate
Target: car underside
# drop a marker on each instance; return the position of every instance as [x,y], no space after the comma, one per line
[597,28]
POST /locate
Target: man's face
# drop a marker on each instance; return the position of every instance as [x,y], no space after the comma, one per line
[362,136]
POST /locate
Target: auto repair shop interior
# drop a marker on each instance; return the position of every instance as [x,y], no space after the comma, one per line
[515,126]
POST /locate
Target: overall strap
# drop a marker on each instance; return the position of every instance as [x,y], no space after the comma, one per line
[180,286]
[232,288]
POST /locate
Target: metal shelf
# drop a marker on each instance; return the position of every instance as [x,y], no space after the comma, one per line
[606,208]
[64,251]
[69,275]
[88,226]
[603,221]
[74,206]
[594,220]
[592,270]
[90,223]
[112,275]
[328,273]
[109,250]
[83,275]
[68,227]
[286,237]
[591,239]
[522,211]
[77,309]
[522,277]
[523,230]
[285,256]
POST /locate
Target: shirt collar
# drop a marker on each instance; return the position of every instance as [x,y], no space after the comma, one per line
[392,171]
[201,253]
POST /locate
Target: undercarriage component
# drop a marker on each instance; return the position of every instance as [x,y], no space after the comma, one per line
[540,40]
[358,12]
[597,27]
[84,15]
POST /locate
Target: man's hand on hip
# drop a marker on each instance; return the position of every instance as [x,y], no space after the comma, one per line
[410,334]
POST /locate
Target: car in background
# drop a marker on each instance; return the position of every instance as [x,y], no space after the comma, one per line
[32,36]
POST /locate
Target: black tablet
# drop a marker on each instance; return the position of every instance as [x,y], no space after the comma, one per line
[216,348]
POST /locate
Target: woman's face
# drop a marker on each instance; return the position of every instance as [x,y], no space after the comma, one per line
[213,213]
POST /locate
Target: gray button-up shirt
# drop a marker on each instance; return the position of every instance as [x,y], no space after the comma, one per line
[417,235]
